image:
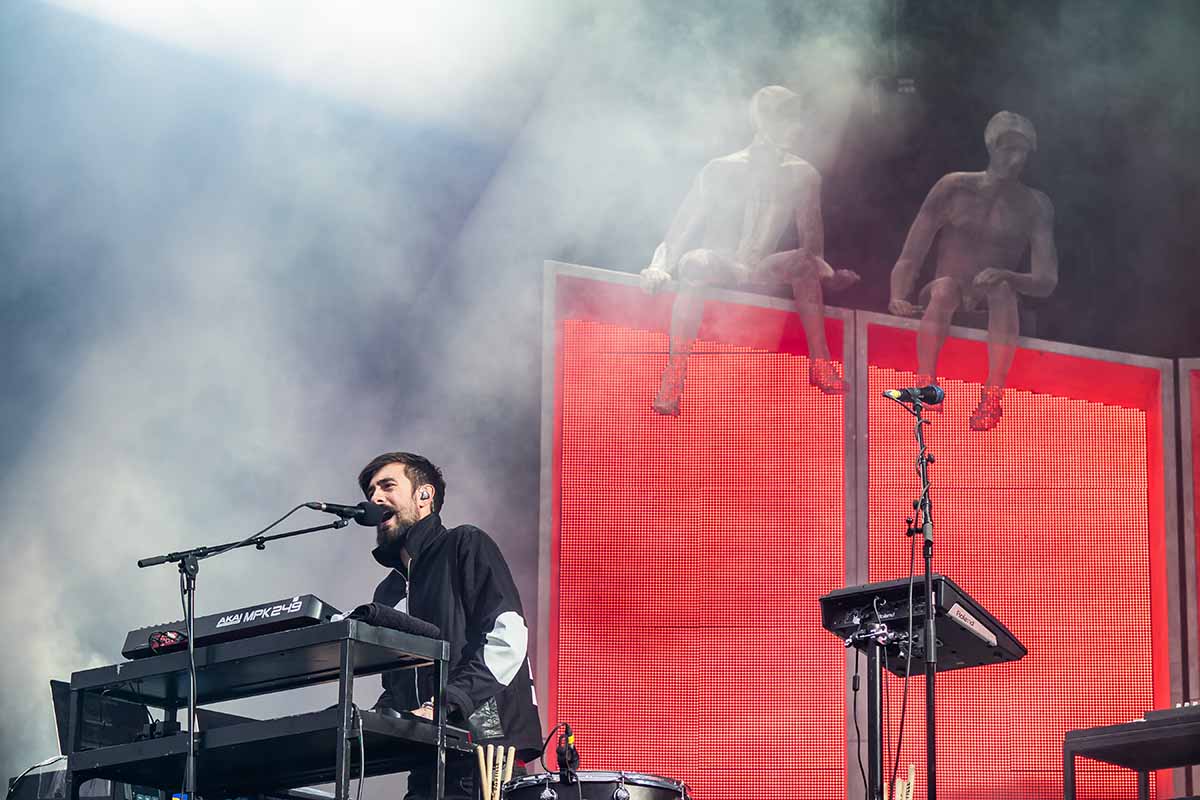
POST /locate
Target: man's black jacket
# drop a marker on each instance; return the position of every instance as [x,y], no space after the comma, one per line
[461,583]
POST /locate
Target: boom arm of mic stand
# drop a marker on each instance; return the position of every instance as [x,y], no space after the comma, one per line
[259,541]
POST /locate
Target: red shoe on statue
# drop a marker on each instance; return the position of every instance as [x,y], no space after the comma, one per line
[988,413]
[670,390]
[823,374]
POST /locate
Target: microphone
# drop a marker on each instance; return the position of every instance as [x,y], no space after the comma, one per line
[370,514]
[929,395]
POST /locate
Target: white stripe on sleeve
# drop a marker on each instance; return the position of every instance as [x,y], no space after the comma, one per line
[505,647]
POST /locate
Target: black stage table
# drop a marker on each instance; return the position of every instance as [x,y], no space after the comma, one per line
[1142,746]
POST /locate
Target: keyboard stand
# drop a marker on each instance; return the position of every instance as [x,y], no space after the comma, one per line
[873,618]
[282,753]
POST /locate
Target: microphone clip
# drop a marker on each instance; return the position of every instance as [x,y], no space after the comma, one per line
[568,757]
[930,395]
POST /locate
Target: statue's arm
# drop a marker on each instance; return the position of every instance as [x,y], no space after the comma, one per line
[1042,277]
[810,227]
[929,221]
[685,225]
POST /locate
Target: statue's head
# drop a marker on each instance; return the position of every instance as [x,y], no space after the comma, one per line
[776,114]
[1010,138]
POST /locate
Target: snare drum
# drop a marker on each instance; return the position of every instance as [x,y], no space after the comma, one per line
[597,786]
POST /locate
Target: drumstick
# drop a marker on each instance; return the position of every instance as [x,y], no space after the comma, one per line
[904,789]
[491,763]
[498,773]
[508,764]
[483,773]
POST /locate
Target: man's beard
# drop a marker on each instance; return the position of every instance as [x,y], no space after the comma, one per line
[385,537]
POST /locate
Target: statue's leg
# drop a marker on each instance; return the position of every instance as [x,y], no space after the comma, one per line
[945,296]
[805,273]
[1003,326]
[697,269]
[810,307]
[686,314]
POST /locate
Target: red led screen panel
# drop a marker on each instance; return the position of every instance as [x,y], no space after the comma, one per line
[1053,521]
[685,636]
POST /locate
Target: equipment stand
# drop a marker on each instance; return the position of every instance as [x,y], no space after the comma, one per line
[925,516]
[871,638]
[874,720]
[189,567]
[922,523]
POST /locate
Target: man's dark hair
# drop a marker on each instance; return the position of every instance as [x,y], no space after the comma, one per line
[418,469]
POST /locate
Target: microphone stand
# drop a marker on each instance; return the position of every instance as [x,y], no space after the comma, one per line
[923,524]
[189,567]
[925,518]
[926,515]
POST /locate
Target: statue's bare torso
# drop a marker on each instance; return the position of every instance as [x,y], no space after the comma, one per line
[984,224]
[748,203]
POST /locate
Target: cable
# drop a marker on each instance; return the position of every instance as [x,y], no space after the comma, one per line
[887,712]
[362,751]
[921,518]
[857,732]
[12,787]
[542,755]
[252,536]
[912,549]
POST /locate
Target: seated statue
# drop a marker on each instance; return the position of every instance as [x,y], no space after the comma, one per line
[986,221]
[727,233]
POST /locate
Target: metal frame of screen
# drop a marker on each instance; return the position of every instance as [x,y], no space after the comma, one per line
[1189,479]
[1172,587]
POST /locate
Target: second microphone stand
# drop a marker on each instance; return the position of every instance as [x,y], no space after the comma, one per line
[923,524]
